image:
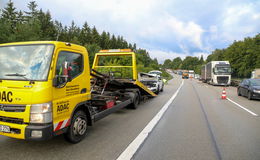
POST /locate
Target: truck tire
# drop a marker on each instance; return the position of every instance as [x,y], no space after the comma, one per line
[136,99]
[78,128]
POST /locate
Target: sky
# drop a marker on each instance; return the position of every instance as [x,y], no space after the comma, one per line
[166,28]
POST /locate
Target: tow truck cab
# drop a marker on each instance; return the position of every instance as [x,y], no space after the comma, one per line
[41,85]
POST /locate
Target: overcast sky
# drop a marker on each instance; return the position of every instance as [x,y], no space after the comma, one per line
[166,28]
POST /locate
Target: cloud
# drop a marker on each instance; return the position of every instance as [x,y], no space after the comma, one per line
[171,28]
[238,21]
[162,55]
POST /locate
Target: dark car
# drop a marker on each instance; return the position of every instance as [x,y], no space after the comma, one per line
[249,88]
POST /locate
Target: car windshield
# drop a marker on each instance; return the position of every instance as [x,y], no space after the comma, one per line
[255,82]
[220,70]
[158,73]
[25,62]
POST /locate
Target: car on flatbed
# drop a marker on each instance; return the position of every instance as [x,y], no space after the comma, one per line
[154,82]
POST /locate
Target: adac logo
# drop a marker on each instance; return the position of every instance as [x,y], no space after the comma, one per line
[6,96]
[2,108]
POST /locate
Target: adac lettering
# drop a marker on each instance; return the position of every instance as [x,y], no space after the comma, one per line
[6,96]
[63,107]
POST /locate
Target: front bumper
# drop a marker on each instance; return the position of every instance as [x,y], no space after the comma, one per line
[153,89]
[46,131]
[255,95]
[24,131]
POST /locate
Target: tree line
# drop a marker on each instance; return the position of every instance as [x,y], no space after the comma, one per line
[244,57]
[37,25]
[189,63]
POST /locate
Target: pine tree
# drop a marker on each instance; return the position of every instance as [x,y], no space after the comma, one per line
[85,34]
[95,37]
[9,16]
[33,12]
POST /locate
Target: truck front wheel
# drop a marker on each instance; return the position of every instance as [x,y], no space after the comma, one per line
[78,128]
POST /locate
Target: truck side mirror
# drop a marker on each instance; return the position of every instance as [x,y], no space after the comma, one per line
[55,82]
[59,81]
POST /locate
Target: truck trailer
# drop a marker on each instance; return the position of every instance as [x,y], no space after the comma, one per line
[47,88]
[203,74]
[255,73]
[217,73]
[191,74]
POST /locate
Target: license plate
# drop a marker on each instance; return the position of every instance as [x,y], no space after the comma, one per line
[4,129]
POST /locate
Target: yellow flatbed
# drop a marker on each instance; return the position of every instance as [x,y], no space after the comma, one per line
[132,81]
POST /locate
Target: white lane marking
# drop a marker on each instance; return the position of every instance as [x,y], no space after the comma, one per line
[254,114]
[129,152]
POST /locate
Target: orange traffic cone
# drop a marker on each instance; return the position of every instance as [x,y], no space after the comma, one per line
[224,96]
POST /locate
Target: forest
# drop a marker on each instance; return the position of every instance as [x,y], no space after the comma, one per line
[37,25]
[244,57]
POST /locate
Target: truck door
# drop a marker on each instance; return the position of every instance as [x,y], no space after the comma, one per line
[67,94]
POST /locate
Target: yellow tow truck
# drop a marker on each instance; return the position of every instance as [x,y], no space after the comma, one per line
[48,89]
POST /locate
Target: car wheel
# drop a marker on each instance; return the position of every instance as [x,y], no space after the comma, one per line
[249,95]
[158,90]
[162,89]
[238,92]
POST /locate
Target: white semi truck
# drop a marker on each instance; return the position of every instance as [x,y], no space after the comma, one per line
[255,73]
[216,73]
[191,74]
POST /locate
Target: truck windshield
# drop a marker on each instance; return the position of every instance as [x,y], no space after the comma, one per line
[222,70]
[25,62]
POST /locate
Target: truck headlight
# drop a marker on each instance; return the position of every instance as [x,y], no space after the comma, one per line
[41,113]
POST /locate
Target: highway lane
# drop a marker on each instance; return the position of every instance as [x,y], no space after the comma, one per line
[199,125]
[105,140]
[253,105]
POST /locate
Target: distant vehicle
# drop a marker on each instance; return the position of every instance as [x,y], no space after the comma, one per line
[216,73]
[255,73]
[249,88]
[185,74]
[153,82]
[156,72]
[191,74]
[197,76]
[179,73]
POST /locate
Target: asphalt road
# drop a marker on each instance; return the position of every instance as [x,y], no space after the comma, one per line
[197,125]
[200,125]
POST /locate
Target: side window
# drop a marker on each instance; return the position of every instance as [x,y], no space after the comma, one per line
[69,63]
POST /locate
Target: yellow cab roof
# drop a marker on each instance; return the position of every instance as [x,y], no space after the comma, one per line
[56,43]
